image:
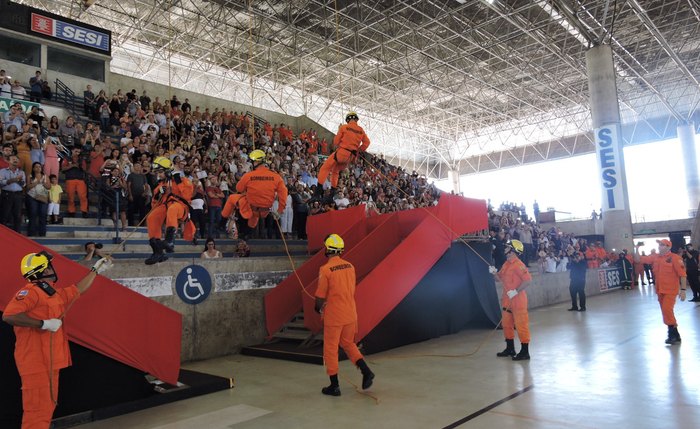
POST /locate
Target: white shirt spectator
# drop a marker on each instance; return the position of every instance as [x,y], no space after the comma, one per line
[342,202]
[550,264]
[18,91]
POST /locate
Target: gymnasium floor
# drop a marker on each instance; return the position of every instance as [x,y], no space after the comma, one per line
[605,368]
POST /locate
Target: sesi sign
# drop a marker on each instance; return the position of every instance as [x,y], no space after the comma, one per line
[62,30]
[607,145]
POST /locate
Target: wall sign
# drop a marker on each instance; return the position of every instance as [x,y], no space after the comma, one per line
[193,284]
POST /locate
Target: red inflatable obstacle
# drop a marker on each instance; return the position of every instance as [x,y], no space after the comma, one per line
[109,319]
[391,254]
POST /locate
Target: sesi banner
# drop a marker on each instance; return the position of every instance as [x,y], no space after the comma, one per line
[608,152]
[70,32]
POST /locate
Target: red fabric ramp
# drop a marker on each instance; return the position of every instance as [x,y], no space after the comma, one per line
[391,254]
[109,319]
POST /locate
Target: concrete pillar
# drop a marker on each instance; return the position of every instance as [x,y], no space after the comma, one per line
[454,180]
[686,135]
[605,113]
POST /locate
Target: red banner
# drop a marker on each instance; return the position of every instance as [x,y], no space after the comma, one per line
[109,319]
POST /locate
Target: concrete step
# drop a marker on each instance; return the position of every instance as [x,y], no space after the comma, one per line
[297,335]
[77,256]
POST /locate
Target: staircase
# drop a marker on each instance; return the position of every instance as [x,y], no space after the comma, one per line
[292,342]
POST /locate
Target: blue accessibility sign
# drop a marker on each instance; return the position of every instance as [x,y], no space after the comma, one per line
[193,284]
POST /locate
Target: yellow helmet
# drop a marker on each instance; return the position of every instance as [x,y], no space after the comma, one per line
[257,155]
[162,163]
[334,244]
[516,245]
[351,116]
[33,264]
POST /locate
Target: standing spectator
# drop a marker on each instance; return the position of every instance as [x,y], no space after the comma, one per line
[300,203]
[210,251]
[74,169]
[287,219]
[577,276]
[690,258]
[515,278]
[5,85]
[625,268]
[198,208]
[36,85]
[37,199]
[54,200]
[89,102]
[335,300]
[136,186]
[145,101]
[114,187]
[12,181]
[215,203]
[536,211]
[46,90]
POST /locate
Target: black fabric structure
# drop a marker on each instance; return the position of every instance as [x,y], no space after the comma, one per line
[95,387]
[457,293]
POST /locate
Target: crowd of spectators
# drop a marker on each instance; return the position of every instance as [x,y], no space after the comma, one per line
[110,154]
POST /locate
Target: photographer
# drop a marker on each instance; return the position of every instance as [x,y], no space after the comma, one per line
[114,190]
[93,250]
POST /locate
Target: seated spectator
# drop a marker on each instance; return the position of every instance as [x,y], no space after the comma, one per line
[93,251]
[210,251]
[242,250]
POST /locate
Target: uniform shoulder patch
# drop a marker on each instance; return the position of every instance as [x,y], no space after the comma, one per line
[21,294]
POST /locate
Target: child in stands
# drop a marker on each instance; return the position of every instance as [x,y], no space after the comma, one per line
[54,199]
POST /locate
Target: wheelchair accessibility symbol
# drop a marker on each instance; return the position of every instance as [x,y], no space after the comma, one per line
[193,284]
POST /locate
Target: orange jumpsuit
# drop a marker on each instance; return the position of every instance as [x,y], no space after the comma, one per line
[32,350]
[336,284]
[592,257]
[260,187]
[350,139]
[172,209]
[668,270]
[512,274]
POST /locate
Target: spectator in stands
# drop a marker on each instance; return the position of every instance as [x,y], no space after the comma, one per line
[18,91]
[242,249]
[145,101]
[7,150]
[92,251]
[74,169]
[5,85]
[37,201]
[36,87]
[53,126]
[15,116]
[114,190]
[68,132]
[136,187]
[46,92]
[215,201]
[37,115]
[54,207]
[89,102]
[36,153]
[12,182]
[210,251]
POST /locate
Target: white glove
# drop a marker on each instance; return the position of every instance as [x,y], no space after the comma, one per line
[492,269]
[682,294]
[102,265]
[52,325]
[512,293]
[275,215]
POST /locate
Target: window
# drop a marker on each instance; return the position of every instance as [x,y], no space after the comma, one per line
[20,51]
[78,65]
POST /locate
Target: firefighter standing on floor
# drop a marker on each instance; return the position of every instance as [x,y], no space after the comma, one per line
[669,282]
[41,348]
[260,187]
[171,204]
[515,278]
[350,140]
[335,301]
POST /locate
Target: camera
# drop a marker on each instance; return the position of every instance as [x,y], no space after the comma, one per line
[98,245]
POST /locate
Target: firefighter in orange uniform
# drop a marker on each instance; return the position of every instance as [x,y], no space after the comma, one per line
[171,205]
[669,282]
[260,187]
[515,278]
[335,301]
[41,348]
[350,140]
[237,204]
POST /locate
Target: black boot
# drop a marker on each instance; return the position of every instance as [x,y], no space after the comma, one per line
[333,389]
[509,350]
[157,255]
[673,336]
[524,352]
[169,245]
[367,374]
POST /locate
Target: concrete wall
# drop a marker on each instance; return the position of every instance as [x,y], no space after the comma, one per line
[230,318]
[553,288]
[595,227]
